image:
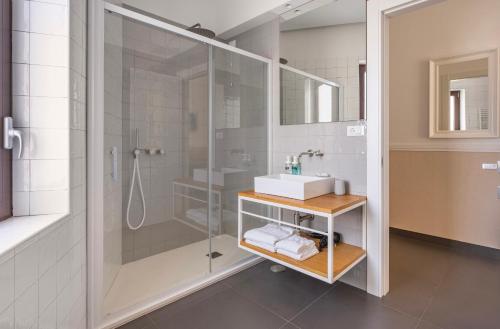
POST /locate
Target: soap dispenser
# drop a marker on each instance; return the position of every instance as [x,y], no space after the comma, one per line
[296,170]
[288,164]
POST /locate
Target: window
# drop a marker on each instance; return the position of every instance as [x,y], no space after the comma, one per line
[5,108]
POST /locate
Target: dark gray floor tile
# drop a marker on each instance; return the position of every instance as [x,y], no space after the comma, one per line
[427,325]
[409,294]
[225,309]
[285,293]
[345,307]
[290,325]
[163,314]
[140,323]
[469,296]
[423,260]
[248,273]
[474,273]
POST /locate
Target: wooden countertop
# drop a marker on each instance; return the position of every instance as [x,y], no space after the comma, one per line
[328,203]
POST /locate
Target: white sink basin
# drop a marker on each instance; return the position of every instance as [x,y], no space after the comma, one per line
[293,186]
[219,177]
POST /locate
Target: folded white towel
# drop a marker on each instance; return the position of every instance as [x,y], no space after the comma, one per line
[295,244]
[308,253]
[268,247]
[270,233]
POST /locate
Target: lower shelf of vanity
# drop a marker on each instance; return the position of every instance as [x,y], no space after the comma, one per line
[345,256]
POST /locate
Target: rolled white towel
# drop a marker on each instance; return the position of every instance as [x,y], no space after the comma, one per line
[268,247]
[270,233]
[308,253]
[295,244]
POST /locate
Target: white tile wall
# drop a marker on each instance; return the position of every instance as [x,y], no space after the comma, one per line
[48,49]
[43,280]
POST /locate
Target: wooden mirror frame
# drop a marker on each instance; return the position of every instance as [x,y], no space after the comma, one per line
[493,92]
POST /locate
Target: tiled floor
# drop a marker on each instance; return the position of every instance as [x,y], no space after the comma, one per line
[432,287]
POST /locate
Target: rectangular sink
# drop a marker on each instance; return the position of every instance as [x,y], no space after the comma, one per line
[219,177]
[293,186]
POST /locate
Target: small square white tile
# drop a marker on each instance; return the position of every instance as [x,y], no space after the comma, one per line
[48,18]
[7,317]
[21,111]
[20,79]
[26,308]
[76,30]
[6,283]
[49,50]
[20,47]
[48,175]
[49,202]
[48,81]
[47,246]
[20,203]
[63,272]
[20,175]
[25,268]
[47,319]
[49,112]
[20,15]
[49,143]
[47,289]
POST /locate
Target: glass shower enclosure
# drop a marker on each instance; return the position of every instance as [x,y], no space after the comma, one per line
[185,127]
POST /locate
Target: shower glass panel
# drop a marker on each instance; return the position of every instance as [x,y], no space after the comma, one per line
[185,129]
[240,150]
[156,111]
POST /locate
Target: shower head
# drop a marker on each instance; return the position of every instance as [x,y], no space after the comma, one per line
[196,28]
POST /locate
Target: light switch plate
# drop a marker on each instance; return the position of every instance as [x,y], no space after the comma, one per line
[498,192]
[354,131]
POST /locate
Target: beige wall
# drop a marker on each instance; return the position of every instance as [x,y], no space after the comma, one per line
[447,29]
[446,194]
[434,188]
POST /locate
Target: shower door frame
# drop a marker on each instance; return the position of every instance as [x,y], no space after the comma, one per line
[95,163]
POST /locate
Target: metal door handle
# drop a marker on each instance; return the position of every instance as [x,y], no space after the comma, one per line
[491,166]
[114,172]
[9,133]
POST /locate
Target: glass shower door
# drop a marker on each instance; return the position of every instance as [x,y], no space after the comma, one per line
[156,128]
[239,144]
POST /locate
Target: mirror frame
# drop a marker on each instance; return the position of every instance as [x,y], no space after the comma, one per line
[493,93]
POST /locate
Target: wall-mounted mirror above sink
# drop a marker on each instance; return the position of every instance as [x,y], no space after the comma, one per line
[306,98]
[323,62]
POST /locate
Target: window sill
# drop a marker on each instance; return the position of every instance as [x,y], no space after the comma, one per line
[16,230]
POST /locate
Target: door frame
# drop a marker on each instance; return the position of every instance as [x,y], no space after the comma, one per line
[378,14]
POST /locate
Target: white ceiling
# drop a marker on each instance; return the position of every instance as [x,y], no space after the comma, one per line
[335,13]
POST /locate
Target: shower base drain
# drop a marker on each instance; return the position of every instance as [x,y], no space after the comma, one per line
[215,254]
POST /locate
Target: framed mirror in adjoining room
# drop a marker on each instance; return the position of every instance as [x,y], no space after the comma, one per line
[323,62]
[463,96]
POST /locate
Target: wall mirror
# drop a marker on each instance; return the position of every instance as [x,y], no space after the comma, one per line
[323,57]
[306,98]
[463,96]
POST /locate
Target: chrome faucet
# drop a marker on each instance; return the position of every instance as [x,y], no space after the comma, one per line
[310,153]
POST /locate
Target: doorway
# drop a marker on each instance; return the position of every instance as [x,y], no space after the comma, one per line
[440,205]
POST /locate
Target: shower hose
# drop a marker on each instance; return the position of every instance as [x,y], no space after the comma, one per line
[131,191]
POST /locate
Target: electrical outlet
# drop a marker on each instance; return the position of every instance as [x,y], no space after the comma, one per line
[354,131]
